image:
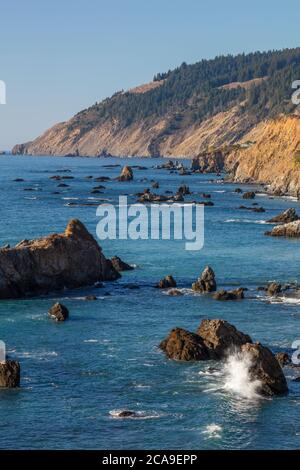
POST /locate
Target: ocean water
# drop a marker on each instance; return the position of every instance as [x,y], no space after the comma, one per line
[77,375]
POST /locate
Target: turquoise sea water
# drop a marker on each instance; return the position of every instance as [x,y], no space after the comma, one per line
[105,358]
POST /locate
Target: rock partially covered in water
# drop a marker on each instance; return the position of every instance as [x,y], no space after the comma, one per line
[236,294]
[292,229]
[182,345]
[175,293]
[120,265]
[67,260]
[206,282]
[167,282]
[265,367]
[59,312]
[220,337]
[126,174]
[290,215]
[249,195]
[283,358]
[9,374]
[274,288]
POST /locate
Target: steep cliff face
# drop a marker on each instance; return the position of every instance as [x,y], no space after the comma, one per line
[144,138]
[241,104]
[271,156]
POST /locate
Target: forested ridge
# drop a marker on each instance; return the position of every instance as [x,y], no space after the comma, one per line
[191,93]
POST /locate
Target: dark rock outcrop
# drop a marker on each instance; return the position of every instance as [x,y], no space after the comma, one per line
[9,374]
[209,162]
[220,337]
[120,265]
[59,312]
[126,174]
[265,368]
[290,215]
[183,345]
[249,195]
[68,260]
[236,294]
[206,282]
[167,282]
[283,358]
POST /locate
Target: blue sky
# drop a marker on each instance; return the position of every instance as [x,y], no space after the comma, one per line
[58,57]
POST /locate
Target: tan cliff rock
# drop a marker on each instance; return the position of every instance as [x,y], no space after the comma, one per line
[272,158]
[67,260]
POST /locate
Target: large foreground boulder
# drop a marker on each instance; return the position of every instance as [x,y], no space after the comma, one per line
[183,345]
[265,368]
[206,282]
[9,374]
[290,215]
[292,229]
[66,260]
[221,338]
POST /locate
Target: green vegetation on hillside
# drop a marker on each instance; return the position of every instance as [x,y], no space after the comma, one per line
[191,93]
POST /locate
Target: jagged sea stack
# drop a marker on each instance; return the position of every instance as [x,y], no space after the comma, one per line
[67,260]
[206,282]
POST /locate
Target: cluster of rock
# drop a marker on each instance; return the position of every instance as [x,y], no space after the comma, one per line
[216,339]
[236,294]
[68,260]
[167,283]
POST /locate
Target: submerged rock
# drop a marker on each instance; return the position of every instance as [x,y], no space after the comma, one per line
[166,282]
[182,345]
[291,229]
[206,282]
[265,367]
[249,195]
[235,294]
[290,215]
[59,312]
[120,265]
[9,374]
[175,292]
[67,260]
[126,174]
[220,337]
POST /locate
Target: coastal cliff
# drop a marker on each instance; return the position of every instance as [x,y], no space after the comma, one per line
[238,108]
